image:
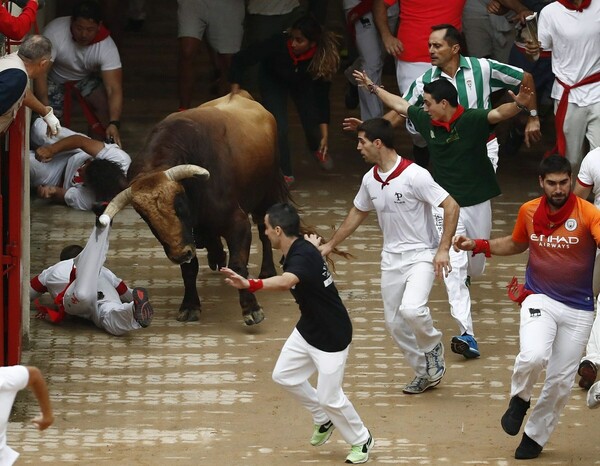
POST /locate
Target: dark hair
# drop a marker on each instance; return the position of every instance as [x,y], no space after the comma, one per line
[554,163]
[378,128]
[286,217]
[70,252]
[87,9]
[326,60]
[442,89]
[105,178]
[452,36]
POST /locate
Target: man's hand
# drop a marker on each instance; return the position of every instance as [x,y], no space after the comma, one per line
[392,45]
[351,124]
[45,153]
[113,134]
[361,78]
[463,243]
[533,132]
[314,239]
[52,122]
[496,8]
[532,49]
[43,422]
[441,264]
[234,279]
[523,97]
[46,192]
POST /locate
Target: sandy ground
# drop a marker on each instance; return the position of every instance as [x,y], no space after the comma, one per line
[201,393]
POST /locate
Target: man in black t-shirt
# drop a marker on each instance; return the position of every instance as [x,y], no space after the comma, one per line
[320,341]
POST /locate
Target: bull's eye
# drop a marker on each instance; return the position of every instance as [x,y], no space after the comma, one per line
[181,206]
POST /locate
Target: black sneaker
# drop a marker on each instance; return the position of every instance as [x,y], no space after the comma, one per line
[528,448]
[142,309]
[514,415]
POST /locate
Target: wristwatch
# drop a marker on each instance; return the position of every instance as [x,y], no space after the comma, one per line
[533,113]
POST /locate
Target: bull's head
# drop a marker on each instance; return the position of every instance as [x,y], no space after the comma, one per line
[161,201]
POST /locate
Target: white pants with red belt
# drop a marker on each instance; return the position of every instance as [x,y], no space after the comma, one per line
[297,362]
[552,336]
[406,281]
[581,123]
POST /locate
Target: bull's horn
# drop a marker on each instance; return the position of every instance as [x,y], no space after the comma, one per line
[185,171]
[117,204]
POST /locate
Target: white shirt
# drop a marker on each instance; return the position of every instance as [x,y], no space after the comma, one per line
[574,38]
[73,62]
[589,173]
[12,379]
[403,207]
[79,196]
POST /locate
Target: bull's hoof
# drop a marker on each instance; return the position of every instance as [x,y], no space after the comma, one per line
[188,315]
[254,317]
[216,265]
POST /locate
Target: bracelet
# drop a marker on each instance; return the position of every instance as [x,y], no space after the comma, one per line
[373,88]
[482,245]
[255,285]
[115,123]
[523,108]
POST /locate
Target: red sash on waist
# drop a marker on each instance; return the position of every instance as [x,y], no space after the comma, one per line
[561,110]
[90,116]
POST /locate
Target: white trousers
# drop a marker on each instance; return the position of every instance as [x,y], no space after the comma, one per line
[297,363]
[581,123]
[406,281]
[371,58]
[552,337]
[475,222]
[81,298]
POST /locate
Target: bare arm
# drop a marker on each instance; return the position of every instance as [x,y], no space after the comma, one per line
[113,82]
[504,246]
[40,88]
[393,101]
[37,385]
[441,261]
[509,110]
[54,193]
[351,124]
[278,283]
[582,191]
[354,218]
[391,43]
[34,104]
[532,128]
[76,141]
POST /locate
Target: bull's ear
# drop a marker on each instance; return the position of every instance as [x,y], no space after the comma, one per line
[181,172]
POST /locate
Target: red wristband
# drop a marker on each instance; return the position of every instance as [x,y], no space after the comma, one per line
[482,245]
[255,285]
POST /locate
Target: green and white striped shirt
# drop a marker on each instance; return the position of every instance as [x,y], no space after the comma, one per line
[475,80]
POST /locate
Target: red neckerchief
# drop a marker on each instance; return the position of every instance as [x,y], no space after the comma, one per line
[102,34]
[446,124]
[544,222]
[303,56]
[569,6]
[404,163]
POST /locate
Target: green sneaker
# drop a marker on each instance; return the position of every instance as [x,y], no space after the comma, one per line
[360,453]
[321,434]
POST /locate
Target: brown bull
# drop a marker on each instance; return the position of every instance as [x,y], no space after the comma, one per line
[232,139]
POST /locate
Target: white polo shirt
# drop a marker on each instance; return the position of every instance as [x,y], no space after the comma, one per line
[403,207]
[589,173]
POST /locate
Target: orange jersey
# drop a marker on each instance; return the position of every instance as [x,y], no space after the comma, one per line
[561,265]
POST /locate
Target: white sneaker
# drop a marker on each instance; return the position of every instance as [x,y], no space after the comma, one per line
[593,396]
